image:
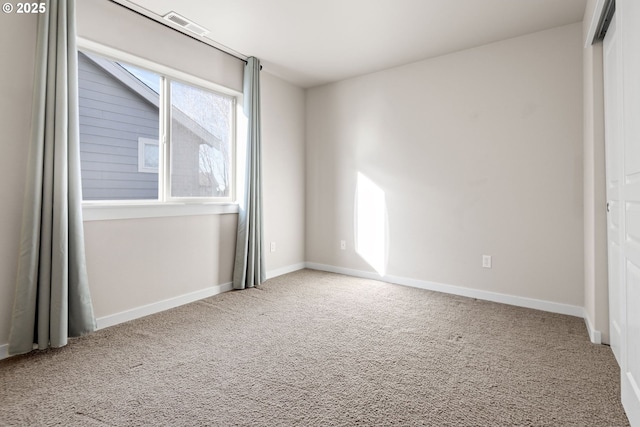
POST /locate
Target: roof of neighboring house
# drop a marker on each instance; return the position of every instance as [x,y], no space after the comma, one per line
[151,96]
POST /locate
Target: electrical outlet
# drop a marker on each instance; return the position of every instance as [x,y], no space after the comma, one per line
[343,245]
[486,261]
[273,246]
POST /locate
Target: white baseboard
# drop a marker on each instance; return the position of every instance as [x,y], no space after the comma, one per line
[156,307]
[284,270]
[594,335]
[146,310]
[553,307]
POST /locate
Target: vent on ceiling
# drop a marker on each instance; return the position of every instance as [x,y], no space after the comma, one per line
[185,23]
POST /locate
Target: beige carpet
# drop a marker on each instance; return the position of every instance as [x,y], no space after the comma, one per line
[319,349]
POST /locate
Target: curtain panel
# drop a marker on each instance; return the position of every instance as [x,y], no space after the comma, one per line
[249,268]
[52,299]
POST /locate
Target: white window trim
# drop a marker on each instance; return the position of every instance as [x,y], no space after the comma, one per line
[100,210]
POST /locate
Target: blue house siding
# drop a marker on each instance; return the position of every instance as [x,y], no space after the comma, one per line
[112,118]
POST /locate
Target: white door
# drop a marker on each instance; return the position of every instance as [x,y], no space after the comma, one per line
[614,158]
[628,12]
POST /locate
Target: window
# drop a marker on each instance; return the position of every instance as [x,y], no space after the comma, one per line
[201,129]
[147,136]
[148,155]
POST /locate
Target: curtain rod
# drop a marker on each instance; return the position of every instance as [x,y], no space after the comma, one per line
[243,58]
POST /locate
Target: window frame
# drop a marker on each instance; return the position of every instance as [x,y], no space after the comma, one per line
[166,204]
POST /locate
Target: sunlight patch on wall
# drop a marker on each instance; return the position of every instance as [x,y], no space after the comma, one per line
[371,224]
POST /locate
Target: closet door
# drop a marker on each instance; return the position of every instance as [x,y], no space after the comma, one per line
[614,158]
[628,12]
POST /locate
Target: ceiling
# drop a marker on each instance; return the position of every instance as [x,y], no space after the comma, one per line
[312,42]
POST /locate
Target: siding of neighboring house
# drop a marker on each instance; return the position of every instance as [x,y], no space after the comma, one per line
[187,177]
[185,183]
[112,118]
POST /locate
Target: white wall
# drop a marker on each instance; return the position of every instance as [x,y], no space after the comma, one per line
[283,112]
[478,152]
[135,262]
[17,42]
[596,299]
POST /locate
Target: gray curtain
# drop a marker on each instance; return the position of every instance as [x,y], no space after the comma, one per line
[52,300]
[249,262]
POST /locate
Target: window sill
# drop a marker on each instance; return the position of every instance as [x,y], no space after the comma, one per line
[98,211]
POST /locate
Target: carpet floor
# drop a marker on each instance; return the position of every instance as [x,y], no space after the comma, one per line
[319,349]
